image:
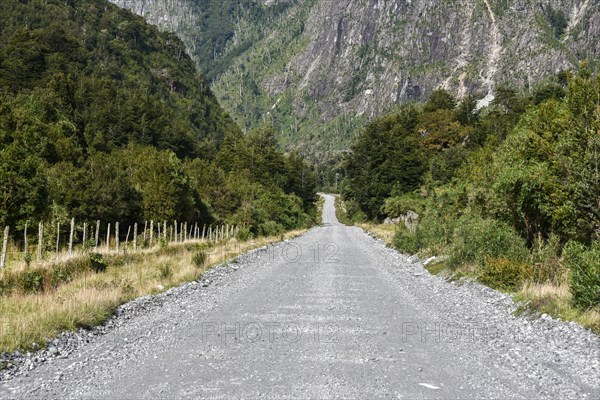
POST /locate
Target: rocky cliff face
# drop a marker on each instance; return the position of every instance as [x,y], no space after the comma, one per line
[317,68]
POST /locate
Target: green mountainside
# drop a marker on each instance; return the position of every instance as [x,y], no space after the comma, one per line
[103,117]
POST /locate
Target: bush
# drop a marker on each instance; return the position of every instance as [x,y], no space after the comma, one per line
[405,241]
[585,279]
[28,258]
[60,274]
[476,239]
[165,271]
[97,262]
[32,281]
[504,274]
[199,259]
[244,234]
[270,228]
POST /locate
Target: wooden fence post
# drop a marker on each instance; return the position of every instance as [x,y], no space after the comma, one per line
[196,231]
[4,245]
[127,237]
[84,238]
[25,239]
[203,231]
[145,228]
[40,240]
[151,232]
[117,236]
[135,237]
[57,236]
[159,232]
[108,238]
[71,237]
[165,230]
[175,224]
[97,234]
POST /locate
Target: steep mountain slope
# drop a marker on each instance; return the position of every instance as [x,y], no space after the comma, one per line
[112,76]
[321,67]
[79,82]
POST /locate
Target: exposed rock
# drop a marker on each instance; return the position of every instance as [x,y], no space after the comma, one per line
[330,62]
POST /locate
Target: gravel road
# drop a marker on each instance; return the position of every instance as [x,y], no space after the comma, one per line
[334,313]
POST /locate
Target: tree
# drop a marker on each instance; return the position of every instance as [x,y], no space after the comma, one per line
[301,179]
[386,159]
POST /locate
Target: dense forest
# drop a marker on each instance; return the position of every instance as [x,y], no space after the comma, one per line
[512,189]
[103,117]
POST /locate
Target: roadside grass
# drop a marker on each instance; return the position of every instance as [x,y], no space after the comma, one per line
[556,300]
[549,296]
[88,298]
[320,205]
[341,212]
[381,231]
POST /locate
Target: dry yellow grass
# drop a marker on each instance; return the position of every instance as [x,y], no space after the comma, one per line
[555,299]
[382,231]
[89,299]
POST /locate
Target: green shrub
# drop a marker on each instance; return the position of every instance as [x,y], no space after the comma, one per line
[162,243]
[32,281]
[358,217]
[28,258]
[504,274]
[60,274]
[165,271]
[193,246]
[476,239]
[97,262]
[199,259]
[405,241]
[244,234]
[270,228]
[585,279]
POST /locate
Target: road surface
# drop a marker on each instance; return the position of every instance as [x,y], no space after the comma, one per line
[332,314]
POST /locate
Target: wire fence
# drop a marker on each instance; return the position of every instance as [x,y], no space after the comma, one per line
[51,242]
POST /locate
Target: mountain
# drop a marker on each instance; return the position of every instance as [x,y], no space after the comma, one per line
[110,76]
[97,110]
[318,69]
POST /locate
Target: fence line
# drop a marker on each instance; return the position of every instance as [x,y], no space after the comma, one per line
[71,240]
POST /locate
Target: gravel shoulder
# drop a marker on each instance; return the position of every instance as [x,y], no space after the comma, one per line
[334,313]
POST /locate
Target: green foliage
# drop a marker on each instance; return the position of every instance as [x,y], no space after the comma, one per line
[504,274]
[32,281]
[505,187]
[244,234]
[386,159]
[270,228]
[28,258]
[476,239]
[557,20]
[199,259]
[98,110]
[405,241]
[585,268]
[396,206]
[97,262]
